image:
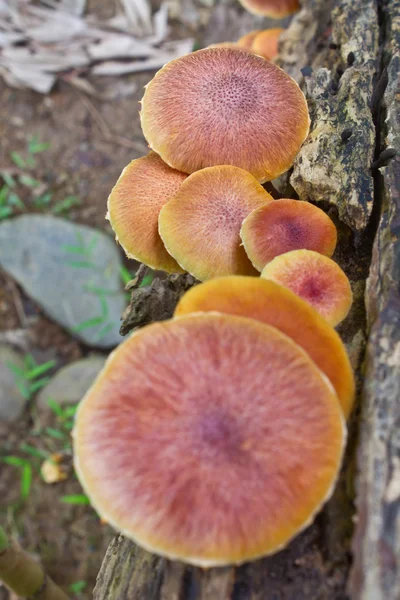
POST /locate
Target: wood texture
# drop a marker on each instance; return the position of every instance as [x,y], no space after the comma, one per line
[344,52]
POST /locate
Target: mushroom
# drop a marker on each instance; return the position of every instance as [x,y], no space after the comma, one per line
[246,40]
[223,106]
[285,225]
[315,278]
[277,306]
[224,45]
[134,204]
[275,9]
[265,43]
[218,456]
[200,226]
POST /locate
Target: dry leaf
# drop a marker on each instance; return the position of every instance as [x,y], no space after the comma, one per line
[55,37]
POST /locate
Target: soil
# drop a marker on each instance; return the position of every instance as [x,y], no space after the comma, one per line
[91,141]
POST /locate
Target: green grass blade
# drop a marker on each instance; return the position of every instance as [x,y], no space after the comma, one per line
[88,324]
[28,181]
[55,407]
[32,451]
[40,369]
[77,587]
[26,481]
[38,384]
[15,461]
[18,160]
[8,179]
[55,433]
[66,204]
[75,499]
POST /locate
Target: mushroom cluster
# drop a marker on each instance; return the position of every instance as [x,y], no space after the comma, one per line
[216,436]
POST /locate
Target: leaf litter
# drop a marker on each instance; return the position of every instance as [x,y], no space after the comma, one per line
[41,42]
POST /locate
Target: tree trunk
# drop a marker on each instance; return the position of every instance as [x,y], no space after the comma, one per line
[348,51]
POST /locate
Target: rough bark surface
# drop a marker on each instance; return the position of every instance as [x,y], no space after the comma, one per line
[376,548]
[345,52]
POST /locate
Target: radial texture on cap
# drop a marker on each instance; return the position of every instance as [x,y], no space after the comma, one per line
[275,9]
[277,306]
[200,226]
[218,456]
[266,43]
[222,106]
[286,225]
[315,278]
[143,188]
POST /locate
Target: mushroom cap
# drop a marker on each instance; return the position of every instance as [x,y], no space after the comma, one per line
[266,43]
[275,9]
[277,306]
[200,226]
[224,45]
[218,456]
[286,225]
[224,106]
[134,204]
[315,278]
[245,42]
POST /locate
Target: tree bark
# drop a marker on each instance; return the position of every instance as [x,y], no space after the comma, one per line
[346,55]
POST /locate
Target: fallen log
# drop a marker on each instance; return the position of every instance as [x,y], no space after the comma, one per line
[346,55]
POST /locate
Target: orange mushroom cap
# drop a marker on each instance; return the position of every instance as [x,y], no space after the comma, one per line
[275,9]
[266,43]
[223,106]
[286,225]
[246,40]
[200,226]
[134,204]
[277,306]
[315,278]
[224,45]
[218,456]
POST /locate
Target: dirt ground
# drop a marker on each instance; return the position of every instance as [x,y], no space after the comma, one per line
[91,140]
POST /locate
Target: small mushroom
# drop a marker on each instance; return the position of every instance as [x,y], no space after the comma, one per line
[216,457]
[200,226]
[266,43]
[134,204]
[224,45]
[277,306]
[274,9]
[286,225]
[223,106]
[246,40]
[315,278]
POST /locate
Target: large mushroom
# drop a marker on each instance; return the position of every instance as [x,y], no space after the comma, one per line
[223,106]
[218,456]
[315,278]
[200,225]
[277,306]
[134,205]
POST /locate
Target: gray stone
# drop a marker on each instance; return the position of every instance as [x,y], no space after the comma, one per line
[63,267]
[72,382]
[12,403]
